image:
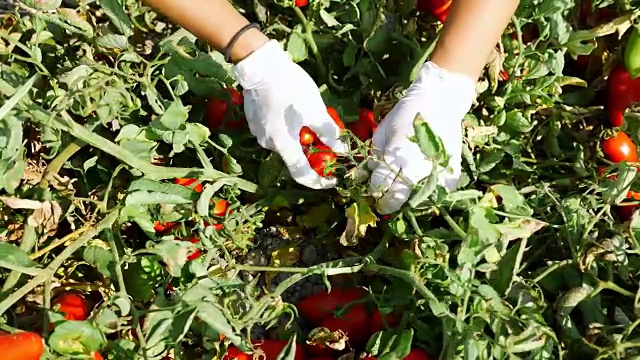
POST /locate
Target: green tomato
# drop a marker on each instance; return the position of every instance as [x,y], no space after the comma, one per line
[632,53]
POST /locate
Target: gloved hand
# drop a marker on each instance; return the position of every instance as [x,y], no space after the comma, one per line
[442,98]
[279,99]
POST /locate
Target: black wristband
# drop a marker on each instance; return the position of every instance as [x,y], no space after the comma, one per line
[234,39]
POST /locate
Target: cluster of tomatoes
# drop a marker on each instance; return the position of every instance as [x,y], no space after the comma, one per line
[341,311]
[30,345]
[220,209]
[623,89]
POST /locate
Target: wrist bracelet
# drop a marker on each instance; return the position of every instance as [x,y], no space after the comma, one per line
[234,39]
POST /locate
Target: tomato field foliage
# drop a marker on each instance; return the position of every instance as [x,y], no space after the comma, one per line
[131,190]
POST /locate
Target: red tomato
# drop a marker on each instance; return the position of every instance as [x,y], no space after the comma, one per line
[302,3]
[162,227]
[335,116]
[220,208]
[308,137]
[221,116]
[196,254]
[21,346]
[439,8]
[320,158]
[377,324]
[321,306]
[271,349]
[619,148]
[96,356]
[73,306]
[364,128]
[323,358]
[187,182]
[354,323]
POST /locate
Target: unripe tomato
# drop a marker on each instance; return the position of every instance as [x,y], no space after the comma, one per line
[632,53]
[73,306]
[619,148]
[320,158]
[221,116]
[187,182]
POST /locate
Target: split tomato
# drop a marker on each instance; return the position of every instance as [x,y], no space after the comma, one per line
[188,182]
[619,148]
[321,306]
[22,346]
[73,306]
[225,112]
[269,348]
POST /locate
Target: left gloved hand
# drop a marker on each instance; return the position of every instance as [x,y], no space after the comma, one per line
[279,99]
[442,98]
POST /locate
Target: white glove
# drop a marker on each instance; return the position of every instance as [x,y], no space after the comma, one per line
[279,99]
[442,98]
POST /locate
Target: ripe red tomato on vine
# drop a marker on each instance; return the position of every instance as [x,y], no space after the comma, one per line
[226,112]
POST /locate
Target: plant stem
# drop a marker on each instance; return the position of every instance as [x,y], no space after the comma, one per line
[551,269]
[457,229]
[308,36]
[406,276]
[57,262]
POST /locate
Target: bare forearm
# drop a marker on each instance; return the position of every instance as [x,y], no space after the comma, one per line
[472,30]
[214,21]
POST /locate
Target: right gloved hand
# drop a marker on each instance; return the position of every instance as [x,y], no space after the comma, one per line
[442,98]
[280,98]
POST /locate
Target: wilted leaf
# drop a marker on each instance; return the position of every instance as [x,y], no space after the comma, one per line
[323,337]
[359,218]
[46,217]
[282,257]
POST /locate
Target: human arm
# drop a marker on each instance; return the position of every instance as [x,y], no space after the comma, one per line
[214,21]
[442,93]
[279,96]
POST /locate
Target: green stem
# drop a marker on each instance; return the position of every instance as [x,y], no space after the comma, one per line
[308,36]
[404,275]
[33,271]
[551,269]
[457,229]
[150,170]
[106,223]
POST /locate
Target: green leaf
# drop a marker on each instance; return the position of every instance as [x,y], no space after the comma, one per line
[173,253]
[98,254]
[119,18]
[430,144]
[76,338]
[11,254]
[512,201]
[297,46]
[289,351]
[174,117]
[328,18]
[42,4]
[142,277]
[390,344]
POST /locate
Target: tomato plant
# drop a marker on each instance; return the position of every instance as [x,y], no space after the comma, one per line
[106,106]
